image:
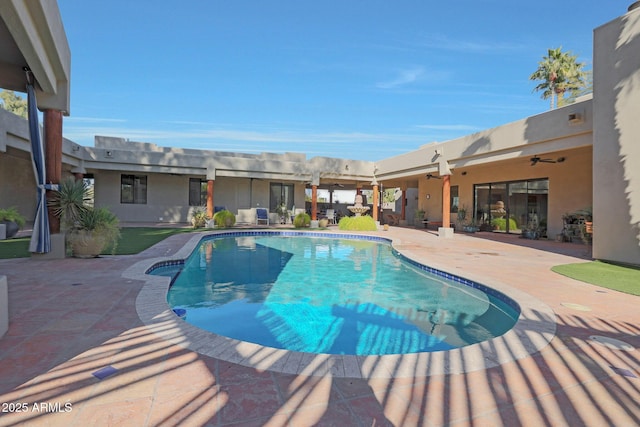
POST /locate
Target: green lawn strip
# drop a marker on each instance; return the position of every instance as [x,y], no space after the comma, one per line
[611,276]
[134,240]
[15,248]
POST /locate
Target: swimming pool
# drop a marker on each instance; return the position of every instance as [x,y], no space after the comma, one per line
[321,294]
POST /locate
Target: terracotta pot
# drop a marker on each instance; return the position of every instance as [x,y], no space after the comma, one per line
[588,227]
[86,244]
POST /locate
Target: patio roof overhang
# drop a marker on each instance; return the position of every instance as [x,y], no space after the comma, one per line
[32,36]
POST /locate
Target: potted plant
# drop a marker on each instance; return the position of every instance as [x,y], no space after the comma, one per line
[199,218]
[89,230]
[283,212]
[578,223]
[531,231]
[462,218]
[70,201]
[12,219]
[462,213]
[472,227]
[419,217]
[96,229]
[585,219]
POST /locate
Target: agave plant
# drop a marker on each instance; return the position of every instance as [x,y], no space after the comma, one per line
[89,230]
[72,199]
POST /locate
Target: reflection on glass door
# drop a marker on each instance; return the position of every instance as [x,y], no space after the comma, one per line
[512,206]
[518,206]
[482,198]
[498,208]
[537,205]
[280,194]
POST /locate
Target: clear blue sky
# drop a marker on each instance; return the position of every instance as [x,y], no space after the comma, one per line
[354,79]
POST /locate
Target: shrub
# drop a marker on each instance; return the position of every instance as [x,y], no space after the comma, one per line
[224,219]
[501,224]
[12,214]
[199,218]
[99,222]
[357,223]
[302,220]
[73,198]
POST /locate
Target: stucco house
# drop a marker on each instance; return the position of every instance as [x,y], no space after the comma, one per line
[585,155]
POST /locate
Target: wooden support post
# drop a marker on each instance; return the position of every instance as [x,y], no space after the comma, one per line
[210,198]
[53,157]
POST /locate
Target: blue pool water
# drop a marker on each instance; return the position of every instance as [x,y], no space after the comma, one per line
[331,295]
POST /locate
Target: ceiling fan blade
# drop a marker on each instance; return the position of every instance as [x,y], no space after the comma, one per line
[536,159]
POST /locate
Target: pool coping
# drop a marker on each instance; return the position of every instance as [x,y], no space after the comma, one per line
[532,332]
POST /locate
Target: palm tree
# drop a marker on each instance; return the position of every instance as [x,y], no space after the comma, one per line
[558,72]
[586,88]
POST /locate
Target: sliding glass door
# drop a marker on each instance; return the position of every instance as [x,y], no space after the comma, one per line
[281,194]
[518,205]
[510,207]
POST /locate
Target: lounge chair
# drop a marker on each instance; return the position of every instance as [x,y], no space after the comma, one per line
[262,214]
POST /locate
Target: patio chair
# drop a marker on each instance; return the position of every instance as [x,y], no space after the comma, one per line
[262,214]
[331,216]
[392,219]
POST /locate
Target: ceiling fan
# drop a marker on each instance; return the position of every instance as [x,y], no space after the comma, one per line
[536,159]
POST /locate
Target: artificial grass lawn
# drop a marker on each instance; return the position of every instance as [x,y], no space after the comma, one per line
[610,276]
[132,241]
[15,248]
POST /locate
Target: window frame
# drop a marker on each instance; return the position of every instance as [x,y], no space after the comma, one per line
[203,183]
[138,189]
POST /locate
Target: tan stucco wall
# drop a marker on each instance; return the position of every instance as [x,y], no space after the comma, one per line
[616,151]
[548,132]
[17,181]
[168,196]
[570,184]
[17,184]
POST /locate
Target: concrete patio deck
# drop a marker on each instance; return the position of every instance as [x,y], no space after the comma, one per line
[71,318]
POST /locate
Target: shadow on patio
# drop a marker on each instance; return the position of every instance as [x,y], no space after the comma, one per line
[70,318]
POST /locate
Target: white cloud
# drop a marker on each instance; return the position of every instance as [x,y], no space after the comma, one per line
[440,41]
[403,78]
[72,119]
[330,144]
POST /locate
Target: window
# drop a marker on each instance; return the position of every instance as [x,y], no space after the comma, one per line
[512,206]
[454,199]
[281,194]
[133,189]
[197,192]
[90,182]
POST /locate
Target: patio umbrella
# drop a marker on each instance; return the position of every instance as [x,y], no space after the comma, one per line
[40,238]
